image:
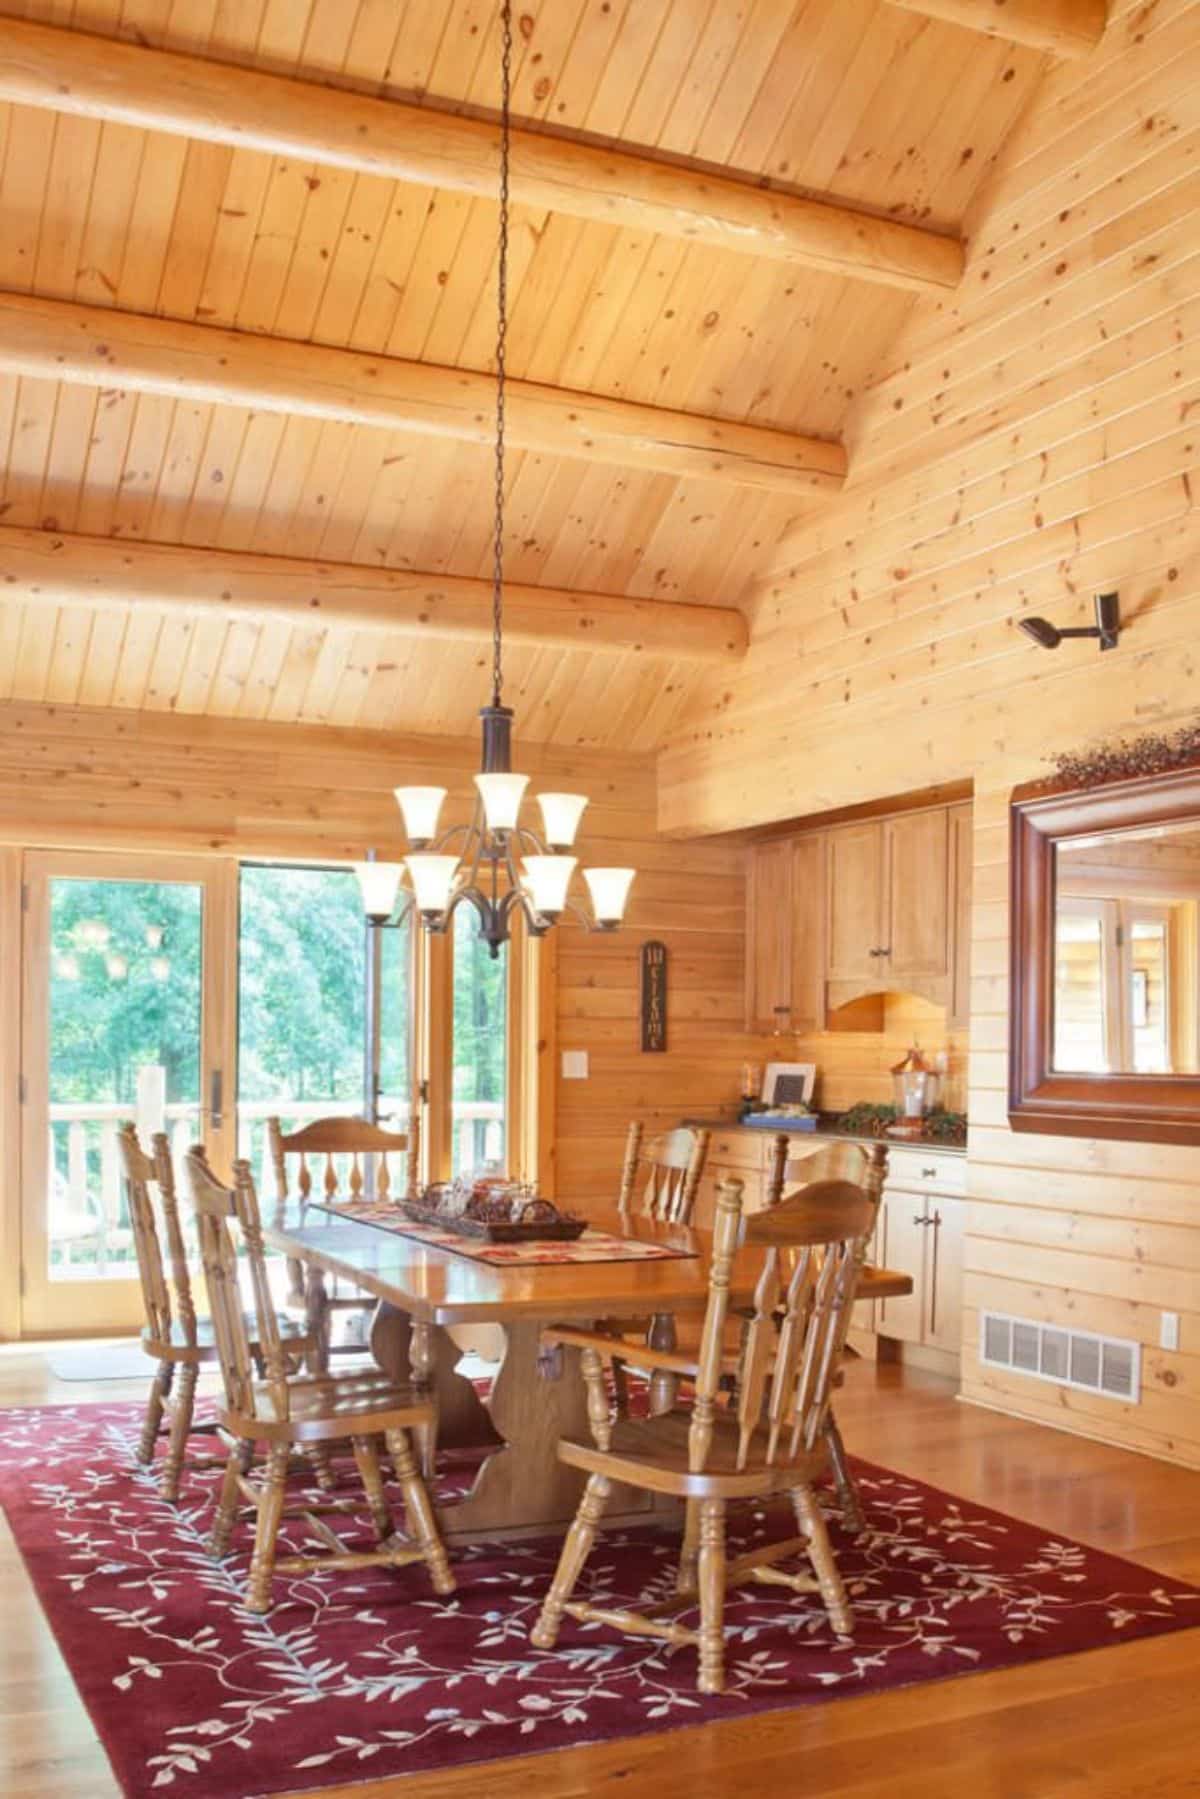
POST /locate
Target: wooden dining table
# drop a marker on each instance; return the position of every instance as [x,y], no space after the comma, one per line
[538,1396]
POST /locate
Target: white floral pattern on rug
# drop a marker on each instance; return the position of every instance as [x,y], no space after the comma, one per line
[372,1674]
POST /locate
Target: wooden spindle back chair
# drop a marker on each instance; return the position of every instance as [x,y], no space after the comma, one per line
[769,1438]
[661,1179]
[288,1414]
[171,1335]
[333,1140]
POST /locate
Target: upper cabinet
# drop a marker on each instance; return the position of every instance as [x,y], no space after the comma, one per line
[785,950]
[882,904]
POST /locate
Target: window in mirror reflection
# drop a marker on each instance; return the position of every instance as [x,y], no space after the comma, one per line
[1127,953]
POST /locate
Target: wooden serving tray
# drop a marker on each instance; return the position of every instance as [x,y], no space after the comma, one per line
[488,1230]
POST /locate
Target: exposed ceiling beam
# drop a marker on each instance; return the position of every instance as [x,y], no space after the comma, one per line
[52,568]
[1065,28]
[105,78]
[105,348]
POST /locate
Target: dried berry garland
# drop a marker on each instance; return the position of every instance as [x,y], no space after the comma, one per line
[1130,760]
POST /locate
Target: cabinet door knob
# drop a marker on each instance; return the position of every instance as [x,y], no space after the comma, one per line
[929,1174]
[919,1218]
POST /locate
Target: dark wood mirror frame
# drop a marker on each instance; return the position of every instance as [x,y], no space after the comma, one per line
[1162,1108]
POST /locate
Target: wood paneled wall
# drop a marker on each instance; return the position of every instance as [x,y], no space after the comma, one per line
[111,780]
[856,1064]
[1035,443]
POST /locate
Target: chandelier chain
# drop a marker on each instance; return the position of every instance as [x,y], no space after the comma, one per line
[501,349]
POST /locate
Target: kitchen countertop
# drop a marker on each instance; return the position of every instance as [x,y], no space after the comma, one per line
[827,1132]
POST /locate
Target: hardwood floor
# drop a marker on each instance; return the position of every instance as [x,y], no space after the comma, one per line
[1116,1724]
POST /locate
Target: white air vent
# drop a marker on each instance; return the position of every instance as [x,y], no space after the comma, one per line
[1107,1365]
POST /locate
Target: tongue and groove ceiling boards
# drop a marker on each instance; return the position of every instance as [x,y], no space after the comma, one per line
[247,313]
[1031,441]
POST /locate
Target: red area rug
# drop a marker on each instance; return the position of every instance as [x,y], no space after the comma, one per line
[372,1675]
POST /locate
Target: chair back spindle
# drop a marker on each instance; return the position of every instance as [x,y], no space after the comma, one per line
[661,1179]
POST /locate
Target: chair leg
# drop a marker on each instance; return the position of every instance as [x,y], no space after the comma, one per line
[160,1387]
[685,1578]
[575,1552]
[266,1529]
[712,1595]
[847,1491]
[322,1465]
[419,1512]
[812,1524]
[182,1412]
[366,1456]
[225,1516]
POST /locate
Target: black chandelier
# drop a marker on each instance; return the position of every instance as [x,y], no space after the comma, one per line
[495,864]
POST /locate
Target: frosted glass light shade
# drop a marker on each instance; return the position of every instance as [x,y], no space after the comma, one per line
[561,813]
[609,888]
[378,882]
[421,807]
[501,795]
[546,881]
[432,879]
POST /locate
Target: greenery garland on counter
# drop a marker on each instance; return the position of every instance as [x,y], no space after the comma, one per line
[866,1120]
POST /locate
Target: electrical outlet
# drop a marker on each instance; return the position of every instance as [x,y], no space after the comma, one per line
[1168,1330]
[574,1065]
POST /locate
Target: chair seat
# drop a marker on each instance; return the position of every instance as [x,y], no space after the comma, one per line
[327,1407]
[653,1453]
[293,1333]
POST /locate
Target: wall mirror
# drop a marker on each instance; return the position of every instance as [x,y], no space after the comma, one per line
[1105,1034]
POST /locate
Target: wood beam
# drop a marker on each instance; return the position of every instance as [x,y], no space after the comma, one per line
[101,347]
[104,78]
[1064,28]
[52,568]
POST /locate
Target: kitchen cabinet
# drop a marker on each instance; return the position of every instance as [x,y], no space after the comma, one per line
[785,951]
[888,906]
[853,905]
[922,1223]
[916,900]
[881,905]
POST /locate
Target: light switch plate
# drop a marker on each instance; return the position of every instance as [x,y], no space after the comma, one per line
[575,1065]
[1168,1330]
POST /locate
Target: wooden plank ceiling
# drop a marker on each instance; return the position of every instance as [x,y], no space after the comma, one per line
[858,101]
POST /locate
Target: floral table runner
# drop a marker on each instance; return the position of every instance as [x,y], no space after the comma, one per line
[593,1246]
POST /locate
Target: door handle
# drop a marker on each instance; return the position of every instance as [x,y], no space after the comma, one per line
[215,1097]
[935,1221]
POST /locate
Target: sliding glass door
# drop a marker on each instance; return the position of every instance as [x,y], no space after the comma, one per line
[127,1013]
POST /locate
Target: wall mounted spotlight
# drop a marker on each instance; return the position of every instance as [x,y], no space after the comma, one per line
[1107,626]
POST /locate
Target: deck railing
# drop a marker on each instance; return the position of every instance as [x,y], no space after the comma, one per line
[88,1219]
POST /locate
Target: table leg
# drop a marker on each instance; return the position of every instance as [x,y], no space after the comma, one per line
[425,1354]
[316,1314]
[664,1386]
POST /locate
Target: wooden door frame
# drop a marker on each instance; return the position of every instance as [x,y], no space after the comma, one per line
[217,879]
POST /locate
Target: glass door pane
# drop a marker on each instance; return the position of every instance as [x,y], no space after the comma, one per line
[396,1012]
[479,1051]
[301,1002]
[116,1028]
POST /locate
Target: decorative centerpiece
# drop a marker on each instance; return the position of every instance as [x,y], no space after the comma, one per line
[494,1210]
